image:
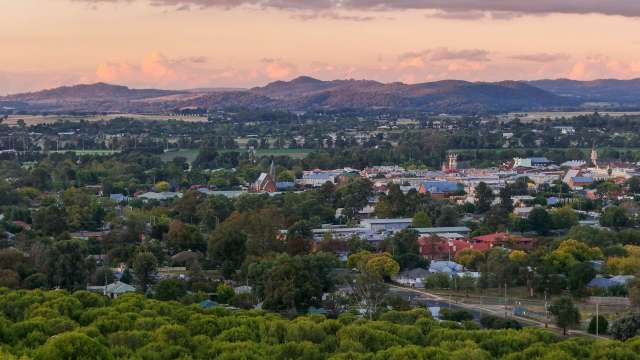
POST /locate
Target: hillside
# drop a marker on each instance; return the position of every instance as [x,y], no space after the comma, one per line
[623,92]
[98,91]
[305,93]
[445,96]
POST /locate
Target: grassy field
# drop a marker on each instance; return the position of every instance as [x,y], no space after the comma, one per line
[88,152]
[50,119]
[292,153]
[189,154]
[554,115]
[192,154]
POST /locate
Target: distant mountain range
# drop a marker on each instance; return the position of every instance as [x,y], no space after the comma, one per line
[304,93]
[621,92]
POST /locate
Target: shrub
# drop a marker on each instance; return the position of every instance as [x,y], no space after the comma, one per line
[600,323]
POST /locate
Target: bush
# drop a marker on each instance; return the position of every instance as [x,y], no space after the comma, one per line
[602,325]
[626,327]
[455,315]
[437,281]
[170,289]
[224,293]
[496,322]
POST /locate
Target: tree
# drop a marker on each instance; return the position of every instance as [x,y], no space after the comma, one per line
[299,238]
[448,216]
[224,293]
[356,244]
[598,325]
[9,279]
[145,266]
[569,253]
[104,276]
[292,282]
[227,248]
[51,220]
[369,287]
[469,258]
[506,204]
[634,293]
[170,289]
[565,312]
[354,196]
[579,276]
[421,220]
[396,199]
[614,217]
[73,345]
[370,291]
[564,218]
[67,266]
[182,237]
[626,327]
[455,315]
[634,184]
[540,221]
[384,209]
[162,186]
[404,247]
[484,196]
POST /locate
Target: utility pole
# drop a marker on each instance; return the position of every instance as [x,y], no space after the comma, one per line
[597,316]
[505,299]
[546,311]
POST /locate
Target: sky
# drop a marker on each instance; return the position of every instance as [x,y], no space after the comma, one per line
[180,44]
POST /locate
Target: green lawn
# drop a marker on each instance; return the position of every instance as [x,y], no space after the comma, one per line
[292,153]
[88,152]
[191,154]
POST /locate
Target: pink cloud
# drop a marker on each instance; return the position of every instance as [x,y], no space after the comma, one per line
[277,69]
[418,59]
[504,8]
[540,57]
[599,66]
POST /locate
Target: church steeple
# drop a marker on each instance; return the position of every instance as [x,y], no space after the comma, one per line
[594,156]
[272,171]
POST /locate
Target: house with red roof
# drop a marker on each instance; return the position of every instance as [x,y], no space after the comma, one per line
[440,248]
[504,239]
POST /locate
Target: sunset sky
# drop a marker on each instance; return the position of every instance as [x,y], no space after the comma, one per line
[238,43]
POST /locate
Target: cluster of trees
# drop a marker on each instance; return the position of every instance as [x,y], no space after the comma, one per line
[82,325]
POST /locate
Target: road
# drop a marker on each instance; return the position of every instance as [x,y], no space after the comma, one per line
[496,310]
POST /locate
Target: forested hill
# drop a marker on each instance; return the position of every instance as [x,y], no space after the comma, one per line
[57,325]
[303,93]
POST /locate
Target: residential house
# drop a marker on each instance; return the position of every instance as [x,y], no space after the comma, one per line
[439,189]
[119,198]
[447,267]
[506,240]
[523,211]
[386,225]
[113,290]
[412,278]
[163,196]
[579,182]
[531,162]
[606,283]
[462,230]
[317,178]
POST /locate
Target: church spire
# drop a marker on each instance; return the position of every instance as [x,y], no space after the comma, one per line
[272,171]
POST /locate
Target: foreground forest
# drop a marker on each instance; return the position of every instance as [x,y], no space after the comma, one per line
[58,325]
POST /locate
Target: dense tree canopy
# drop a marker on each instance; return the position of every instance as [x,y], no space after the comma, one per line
[82,325]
